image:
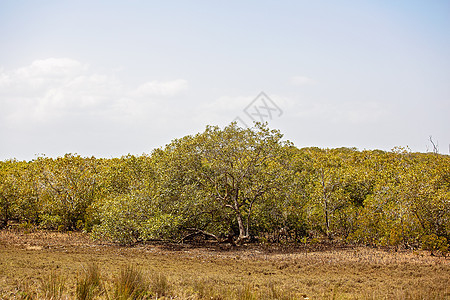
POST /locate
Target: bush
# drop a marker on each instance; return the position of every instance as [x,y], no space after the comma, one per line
[120,220]
[26,227]
[434,243]
[50,222]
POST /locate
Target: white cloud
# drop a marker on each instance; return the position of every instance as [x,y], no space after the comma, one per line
[302,80]
[39,76]
[54,88]
[57,68]
[161,88]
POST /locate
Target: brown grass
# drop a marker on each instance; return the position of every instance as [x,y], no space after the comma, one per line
[187,272]
[89,285]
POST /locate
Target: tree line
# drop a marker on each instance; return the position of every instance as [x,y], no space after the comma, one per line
[234,184]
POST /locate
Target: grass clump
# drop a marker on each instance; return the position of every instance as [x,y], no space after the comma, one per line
[208,289]
[53,286]
[130,284]
[246,293]
[160,285]
[22,292]
[275,292]
[90,285]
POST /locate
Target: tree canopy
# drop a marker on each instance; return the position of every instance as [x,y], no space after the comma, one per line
[234,184]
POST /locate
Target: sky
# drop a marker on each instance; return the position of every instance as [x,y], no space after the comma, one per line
[111,78]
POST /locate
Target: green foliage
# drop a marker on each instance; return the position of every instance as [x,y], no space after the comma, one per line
[120,219]
[69,188]
[434,243]
[11,190]
[52,222]
[238,183]
[217,181]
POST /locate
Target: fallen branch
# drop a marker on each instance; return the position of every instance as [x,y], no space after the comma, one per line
[228,239]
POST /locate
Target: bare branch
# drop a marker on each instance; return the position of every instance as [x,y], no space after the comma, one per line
[435,145]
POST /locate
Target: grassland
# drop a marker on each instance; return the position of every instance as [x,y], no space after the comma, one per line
[30,262]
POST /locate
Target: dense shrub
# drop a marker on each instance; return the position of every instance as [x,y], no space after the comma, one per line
[240,184]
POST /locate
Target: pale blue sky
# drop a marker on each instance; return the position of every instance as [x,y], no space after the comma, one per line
[107,78]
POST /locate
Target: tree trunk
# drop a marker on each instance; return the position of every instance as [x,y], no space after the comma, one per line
[327,219]
[325,199]
[242,236]
[241,225]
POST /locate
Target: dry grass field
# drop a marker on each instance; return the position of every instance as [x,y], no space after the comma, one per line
[41,265]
